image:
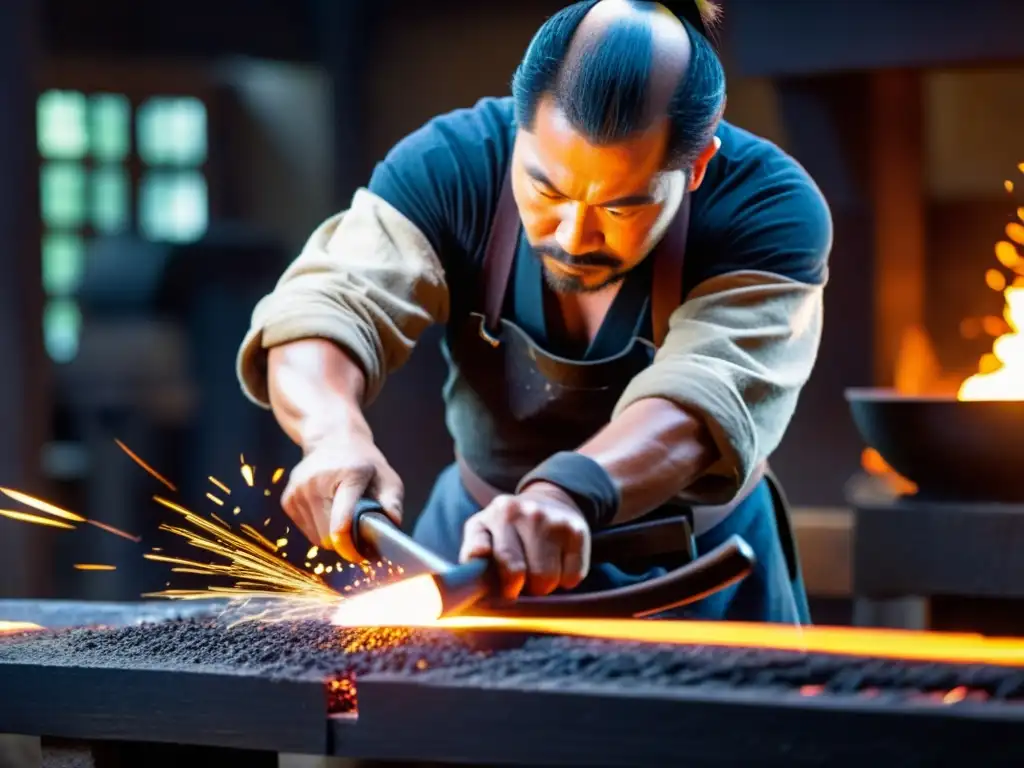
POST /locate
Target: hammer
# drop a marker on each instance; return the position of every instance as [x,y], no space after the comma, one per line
[454,589]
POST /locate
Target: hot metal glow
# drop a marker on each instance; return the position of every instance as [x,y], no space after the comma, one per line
[412,602]
[846,641]
[16,627]
[416,602]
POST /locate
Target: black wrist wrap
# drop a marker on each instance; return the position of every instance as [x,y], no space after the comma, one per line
[584,480]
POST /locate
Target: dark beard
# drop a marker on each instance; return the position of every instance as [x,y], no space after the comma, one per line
[572,284]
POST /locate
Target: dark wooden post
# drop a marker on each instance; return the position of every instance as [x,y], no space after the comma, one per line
[899,211]
[24,560]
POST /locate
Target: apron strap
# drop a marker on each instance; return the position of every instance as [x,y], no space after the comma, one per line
[667,283]
[500,254]
[784,523]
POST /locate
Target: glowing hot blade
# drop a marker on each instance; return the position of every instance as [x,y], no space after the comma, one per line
[415,602]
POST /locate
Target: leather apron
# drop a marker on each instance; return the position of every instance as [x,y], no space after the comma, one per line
[530,403]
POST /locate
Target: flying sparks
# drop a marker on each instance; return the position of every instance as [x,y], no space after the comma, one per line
[247,565]
[249,559]
[27,517]
[152,472]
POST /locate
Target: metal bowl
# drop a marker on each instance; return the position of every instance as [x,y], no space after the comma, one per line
[952,450]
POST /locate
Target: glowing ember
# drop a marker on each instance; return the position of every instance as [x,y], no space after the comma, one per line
[94,567]
[415,602]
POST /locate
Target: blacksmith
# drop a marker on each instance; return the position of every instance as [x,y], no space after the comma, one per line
[632,294]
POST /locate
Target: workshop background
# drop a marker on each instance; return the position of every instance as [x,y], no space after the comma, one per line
[161,161]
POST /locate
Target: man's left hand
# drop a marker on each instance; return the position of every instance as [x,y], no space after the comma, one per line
[538,538]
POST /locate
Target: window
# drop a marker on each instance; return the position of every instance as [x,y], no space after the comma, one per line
[172,146]
[91,176]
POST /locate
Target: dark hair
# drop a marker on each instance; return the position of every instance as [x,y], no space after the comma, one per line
[605,96]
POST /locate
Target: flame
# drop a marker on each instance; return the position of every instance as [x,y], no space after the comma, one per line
[1002,378]
[1000,373]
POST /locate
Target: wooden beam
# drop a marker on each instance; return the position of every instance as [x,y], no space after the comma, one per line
[897,153]
[24,406]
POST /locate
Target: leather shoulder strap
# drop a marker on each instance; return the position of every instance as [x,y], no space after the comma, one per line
[500,254]
[667,283]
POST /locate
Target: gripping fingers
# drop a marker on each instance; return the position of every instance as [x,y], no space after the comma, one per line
[509,554]
[476,540]
[342,509]
[575,560]
[543,554]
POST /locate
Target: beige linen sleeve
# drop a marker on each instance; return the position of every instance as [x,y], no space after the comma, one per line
[738,352]
[367,279]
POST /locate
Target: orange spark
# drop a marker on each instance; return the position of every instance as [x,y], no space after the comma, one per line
[247,473]
[220,485]
[144,465]
[276,477]
[42,506]
[25,517]
[115,531]
[252,532]
[94,567]
[214,499]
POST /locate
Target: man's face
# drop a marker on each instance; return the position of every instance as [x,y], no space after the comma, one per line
[588,211]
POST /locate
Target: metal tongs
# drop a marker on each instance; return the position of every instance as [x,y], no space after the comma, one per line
[474,585]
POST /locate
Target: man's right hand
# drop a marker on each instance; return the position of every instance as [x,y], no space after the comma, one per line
[316,391]
[324,488]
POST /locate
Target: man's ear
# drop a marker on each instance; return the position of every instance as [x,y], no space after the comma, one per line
[700,165]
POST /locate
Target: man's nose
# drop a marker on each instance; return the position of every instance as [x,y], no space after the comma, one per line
[576,233]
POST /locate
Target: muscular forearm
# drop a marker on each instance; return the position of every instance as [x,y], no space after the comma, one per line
[316,391]
[653,449]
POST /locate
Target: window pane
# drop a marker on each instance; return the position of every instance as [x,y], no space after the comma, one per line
[109,126]
[109,200]
[63,262]
[60,125]
[62,194]
[172,131]
[62,325]
[173,206]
